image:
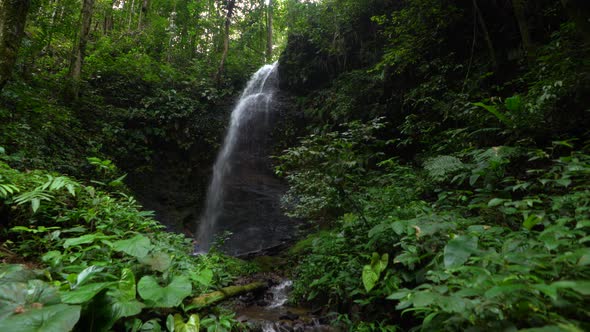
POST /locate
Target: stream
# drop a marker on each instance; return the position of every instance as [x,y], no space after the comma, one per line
[272,313]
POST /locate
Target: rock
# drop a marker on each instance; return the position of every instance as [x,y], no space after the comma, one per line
[289,316]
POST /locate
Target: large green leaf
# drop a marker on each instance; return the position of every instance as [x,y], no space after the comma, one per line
[137,246]
[372,272]
[159,261]
[87,274]
[514,103]
[204,277]
[458,250]
[164,297]
[84,293]
[493,110]
[54,318]
[580,286]
[192,325]
[25,296]
[370,277]
[123,297]
[84,239]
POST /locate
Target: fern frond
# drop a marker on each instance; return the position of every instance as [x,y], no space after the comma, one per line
[441,167]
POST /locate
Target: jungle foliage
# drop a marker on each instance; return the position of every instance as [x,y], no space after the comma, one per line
[444,172]
[84,257]
[445,166]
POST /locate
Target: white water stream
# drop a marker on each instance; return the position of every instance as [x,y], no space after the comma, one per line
[256,97]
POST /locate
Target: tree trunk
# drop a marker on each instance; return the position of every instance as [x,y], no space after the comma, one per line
[131,9]
[579,13]
[486,34]
[519,7]
[143,13]
[269,32]
[230,11]
[79,51]
[108,19]
[225,293]
[13,16]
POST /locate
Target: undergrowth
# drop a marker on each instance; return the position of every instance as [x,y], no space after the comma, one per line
[84,256]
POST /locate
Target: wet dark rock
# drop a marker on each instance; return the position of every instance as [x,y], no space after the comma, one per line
[289,316]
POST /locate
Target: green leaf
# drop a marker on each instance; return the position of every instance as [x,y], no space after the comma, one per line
[84,239]
[400,294]
[84,293]
[423,299]
[159,261]
[123,297]
[15,293]
[192,325]
[503,290]
[458,250]
[513,104]
[564,182]
[452,304]
[54,318]
[371,272]
[548,290]
[473,179]
[137,246]
[170,323]
[580,286]
[164,297]
[152,325]
[87,274]
[204,277]
[496,201]
[125,290]
[126,309]
[379,264]
[370,277]
[531,221]
[493,110]
[35,203]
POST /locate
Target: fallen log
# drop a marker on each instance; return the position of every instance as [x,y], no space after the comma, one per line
[208,299]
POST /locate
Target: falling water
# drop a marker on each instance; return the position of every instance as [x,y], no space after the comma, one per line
[257,97]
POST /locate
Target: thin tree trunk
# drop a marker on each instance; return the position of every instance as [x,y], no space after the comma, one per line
[108,19]
[143,13]
[230,10]
[486,34]
[131,14]
[79,51]
[269,32]
[13,16]
[519,7]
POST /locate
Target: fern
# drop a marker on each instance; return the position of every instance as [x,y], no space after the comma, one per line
[7,188]
[43,192]
[441,167]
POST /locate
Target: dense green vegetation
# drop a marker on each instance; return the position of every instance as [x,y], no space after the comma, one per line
[442,174]
[447,165]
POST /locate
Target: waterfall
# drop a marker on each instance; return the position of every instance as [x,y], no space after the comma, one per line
[255,99]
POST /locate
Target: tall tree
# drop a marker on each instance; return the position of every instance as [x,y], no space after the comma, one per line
[143,13]
[519,7]
[486,34]
[13,16]
[108,22]
[79,50]
[230,6]
[269,18]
